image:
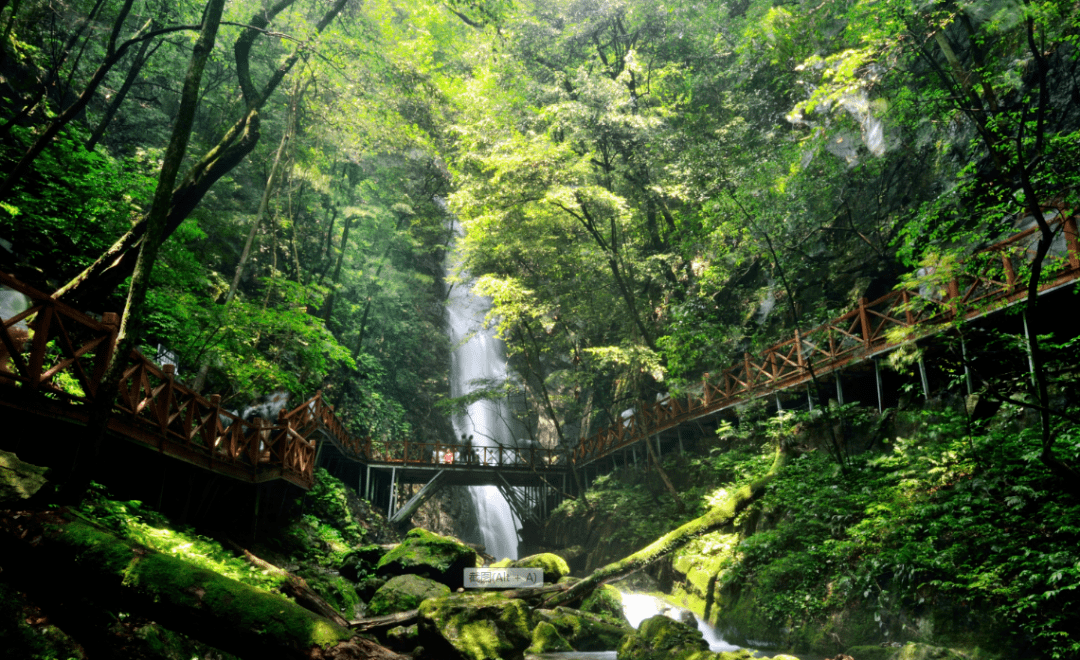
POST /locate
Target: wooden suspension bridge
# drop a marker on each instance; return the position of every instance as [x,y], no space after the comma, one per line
[53,359]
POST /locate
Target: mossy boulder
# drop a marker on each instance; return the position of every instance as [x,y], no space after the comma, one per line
[404,592]
[546,639]
[335,590]
[912,651]
[607,602]
[586,631]
[403,637]
[18,480]
[554,566]
[431,555]
[360,562]
[479,626]
[662,638]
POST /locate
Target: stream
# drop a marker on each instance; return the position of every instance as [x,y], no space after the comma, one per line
[637,608]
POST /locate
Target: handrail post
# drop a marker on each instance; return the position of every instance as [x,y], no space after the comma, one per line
[746,370]
[213,438]
[37,350]
[1010,274]
[798,348]
[112,321]
[1072,244]
[864,322]
[164,403]
[705,388]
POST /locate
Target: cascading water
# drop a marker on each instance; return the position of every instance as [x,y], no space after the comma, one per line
[479,356]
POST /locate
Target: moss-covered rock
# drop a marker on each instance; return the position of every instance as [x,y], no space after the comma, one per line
[586,631]
[436,557]
[360,562]
[914,651]
[334,589]
[479,626]
[403,637]
[662,638]
[546,639]
[404,592]
[554,566]
[606,601]
[18,480]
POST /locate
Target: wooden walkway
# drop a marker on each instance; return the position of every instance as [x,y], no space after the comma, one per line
[53,357]
[988,281]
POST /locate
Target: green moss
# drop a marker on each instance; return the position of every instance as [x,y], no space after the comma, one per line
[20,640]
[484,626]
[439,558]
[334,589]
[586,631]
[555,567]
[405,592]
[171,580]
[606,601]
[546,639]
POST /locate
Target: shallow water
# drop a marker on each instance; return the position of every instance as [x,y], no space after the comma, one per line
[637,608]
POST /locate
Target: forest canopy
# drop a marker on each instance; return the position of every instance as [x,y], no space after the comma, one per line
[648,190]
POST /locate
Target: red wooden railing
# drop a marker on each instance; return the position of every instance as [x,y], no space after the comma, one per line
[987,280]
[57,355]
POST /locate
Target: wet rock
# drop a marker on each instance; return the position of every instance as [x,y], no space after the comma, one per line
[404,592]
[662,638]
[586,631]
[430,555]
[478,626]
[606,601]
[554,566]
[546,639]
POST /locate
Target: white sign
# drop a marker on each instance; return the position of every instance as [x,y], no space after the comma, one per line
[503,578]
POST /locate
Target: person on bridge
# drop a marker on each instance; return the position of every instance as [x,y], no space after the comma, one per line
[468,453]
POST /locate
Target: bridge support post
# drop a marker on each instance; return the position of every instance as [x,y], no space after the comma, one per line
[839,388]
[1031,358]
[968,380]
[393,492]
[682,450]
[367,484]
[809,399]
[877,382]
[925,382]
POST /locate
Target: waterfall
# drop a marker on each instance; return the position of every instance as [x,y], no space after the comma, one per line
[478,355]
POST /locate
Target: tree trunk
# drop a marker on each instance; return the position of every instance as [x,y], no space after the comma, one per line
[717,517]
[296,587]
[67,554]
[118,262]
[141,58]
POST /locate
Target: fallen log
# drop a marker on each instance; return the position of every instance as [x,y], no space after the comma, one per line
[720,515]
[385,621]
[405,618]
[66,553]
[295,586]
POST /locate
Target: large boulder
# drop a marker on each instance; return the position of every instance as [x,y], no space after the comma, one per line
[478,626]
[662,638]
[546,639]
[404,592]
[553,566]
[607,602]
[430,555]
[585,631]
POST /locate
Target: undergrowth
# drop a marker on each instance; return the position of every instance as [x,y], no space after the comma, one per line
[135,522]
